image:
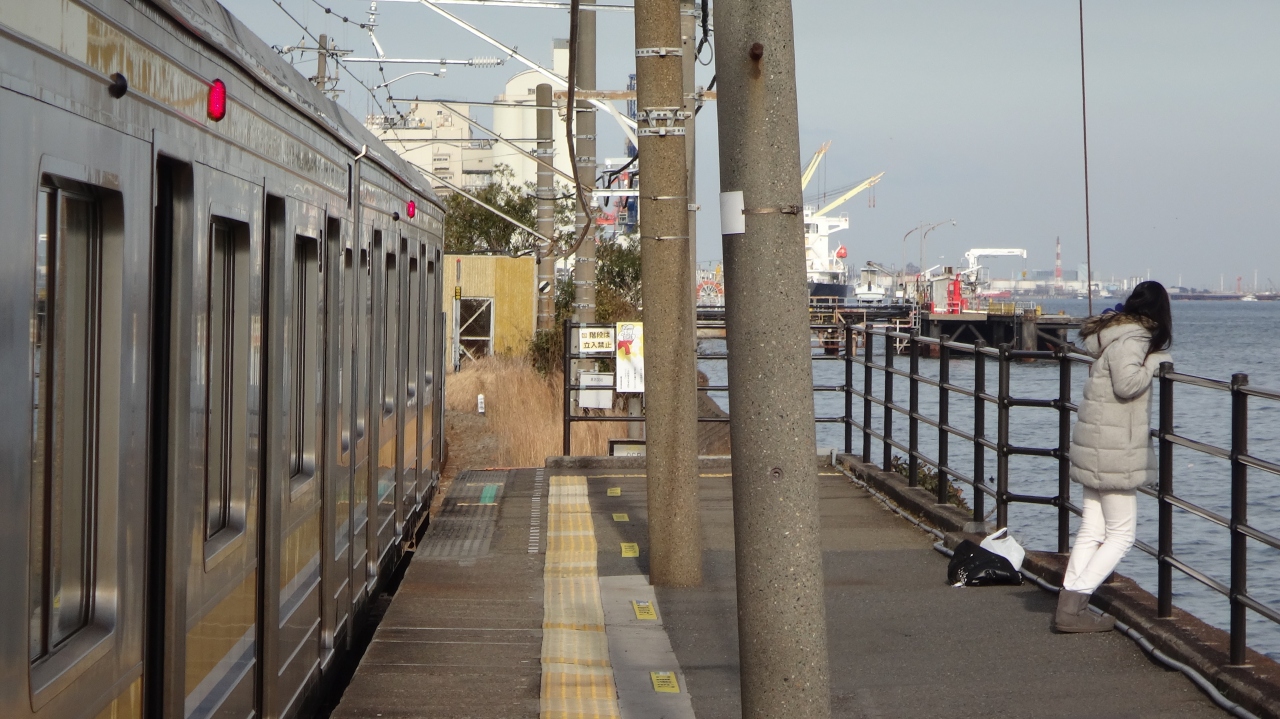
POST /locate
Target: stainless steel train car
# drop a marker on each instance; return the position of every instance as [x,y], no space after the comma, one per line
[220,353]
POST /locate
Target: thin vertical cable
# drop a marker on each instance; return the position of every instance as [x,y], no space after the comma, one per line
[1084,126]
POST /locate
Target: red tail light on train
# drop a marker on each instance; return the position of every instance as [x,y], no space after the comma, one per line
[217,100]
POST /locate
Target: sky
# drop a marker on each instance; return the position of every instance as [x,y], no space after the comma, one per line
[973,112]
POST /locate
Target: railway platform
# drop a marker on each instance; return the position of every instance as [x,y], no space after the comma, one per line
[528,597]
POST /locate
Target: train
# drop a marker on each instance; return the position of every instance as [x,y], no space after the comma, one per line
[221,330]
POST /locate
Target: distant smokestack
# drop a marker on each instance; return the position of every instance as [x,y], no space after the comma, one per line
[1057,266]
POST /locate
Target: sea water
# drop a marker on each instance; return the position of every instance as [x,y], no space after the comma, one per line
[1212,339]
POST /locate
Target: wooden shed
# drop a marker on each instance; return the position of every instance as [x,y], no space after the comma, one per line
[498,305]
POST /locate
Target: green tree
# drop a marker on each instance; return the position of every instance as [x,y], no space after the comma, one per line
[471,228]
[618,280]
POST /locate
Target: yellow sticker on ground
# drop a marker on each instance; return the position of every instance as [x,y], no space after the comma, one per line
[630,549]
[644,610]
[621,517]
[665,682]
[614,492]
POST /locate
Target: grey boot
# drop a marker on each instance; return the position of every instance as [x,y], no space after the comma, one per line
[1073,615]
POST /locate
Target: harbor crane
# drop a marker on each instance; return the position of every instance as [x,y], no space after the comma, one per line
[972,256]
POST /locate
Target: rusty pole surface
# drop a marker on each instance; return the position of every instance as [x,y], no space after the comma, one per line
[584,123]
[546,210]
[671,383]
[781,617]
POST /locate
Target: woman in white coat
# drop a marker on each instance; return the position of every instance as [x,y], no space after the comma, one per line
[1111,449]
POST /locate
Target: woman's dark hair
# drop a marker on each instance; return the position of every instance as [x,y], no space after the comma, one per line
[1150,302]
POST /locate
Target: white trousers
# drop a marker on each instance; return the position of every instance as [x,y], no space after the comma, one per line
[1107,531]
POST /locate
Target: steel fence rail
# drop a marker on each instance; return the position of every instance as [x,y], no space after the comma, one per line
[875,348]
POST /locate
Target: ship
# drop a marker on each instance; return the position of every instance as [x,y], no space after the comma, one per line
[827,270]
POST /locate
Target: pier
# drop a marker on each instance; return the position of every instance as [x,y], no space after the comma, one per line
[480,628]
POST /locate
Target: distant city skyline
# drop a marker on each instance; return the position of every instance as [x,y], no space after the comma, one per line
[972,111]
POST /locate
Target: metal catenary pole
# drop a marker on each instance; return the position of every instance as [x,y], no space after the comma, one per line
[689,45]
[546,210]
[584,275]
[782,653]
[671,382]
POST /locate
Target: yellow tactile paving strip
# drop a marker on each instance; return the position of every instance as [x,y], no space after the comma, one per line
[577,681]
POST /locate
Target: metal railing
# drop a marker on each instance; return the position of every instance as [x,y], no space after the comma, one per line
[1241,532]
[863,345]
[832,332]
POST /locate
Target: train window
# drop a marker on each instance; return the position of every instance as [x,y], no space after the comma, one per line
[64,471]
[362,369]
[390,335]
[226,358]
[303,360]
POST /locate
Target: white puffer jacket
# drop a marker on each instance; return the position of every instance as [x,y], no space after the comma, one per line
[1111,445]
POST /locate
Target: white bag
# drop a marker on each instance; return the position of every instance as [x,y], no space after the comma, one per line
[1004,545]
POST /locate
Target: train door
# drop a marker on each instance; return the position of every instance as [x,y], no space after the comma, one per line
[362,429]
[336,541]
[387,301]
[438,355]
[426,374]
[204,638]
[410,426]
[295,451]
[75,211]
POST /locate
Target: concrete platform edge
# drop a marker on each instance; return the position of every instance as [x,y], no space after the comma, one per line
[1185,638]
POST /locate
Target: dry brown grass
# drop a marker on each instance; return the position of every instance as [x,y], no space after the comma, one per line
[523,412]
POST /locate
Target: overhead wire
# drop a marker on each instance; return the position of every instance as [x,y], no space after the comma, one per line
[341,65]
[1084,127]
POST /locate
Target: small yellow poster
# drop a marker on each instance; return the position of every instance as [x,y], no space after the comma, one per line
[630,356]
[630,549]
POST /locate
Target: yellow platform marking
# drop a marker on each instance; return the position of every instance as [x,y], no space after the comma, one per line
[630,549]
[621,517]
[665,682]
[644,609]
[577,681]
[614,492]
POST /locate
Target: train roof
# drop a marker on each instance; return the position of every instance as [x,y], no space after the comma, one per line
[213,23]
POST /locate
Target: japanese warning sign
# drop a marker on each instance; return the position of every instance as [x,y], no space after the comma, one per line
[595,340]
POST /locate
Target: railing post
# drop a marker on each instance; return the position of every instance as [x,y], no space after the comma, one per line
[888,403]
[568,409]
[1164,590]
[944,416]
[1064,449]
[867,385]
[913,424]
[1239,514]
[979,431]
[848,388]
[1002,442]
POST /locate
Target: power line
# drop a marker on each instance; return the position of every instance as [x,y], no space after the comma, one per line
[341,64]
[344,18]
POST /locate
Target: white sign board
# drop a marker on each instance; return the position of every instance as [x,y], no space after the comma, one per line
[596,398]
[630,357]
[595,340]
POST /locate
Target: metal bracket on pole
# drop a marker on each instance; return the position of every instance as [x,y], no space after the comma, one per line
[660,238]
[659,131]
[659,52]
[784,210]
[584,259]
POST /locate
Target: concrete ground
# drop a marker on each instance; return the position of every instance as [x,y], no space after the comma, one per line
[463,635]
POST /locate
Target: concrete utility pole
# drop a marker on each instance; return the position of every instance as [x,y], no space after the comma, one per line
[781,618]
[322,64]
[584,274]
[689,45]
[671,379]
[546,210]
